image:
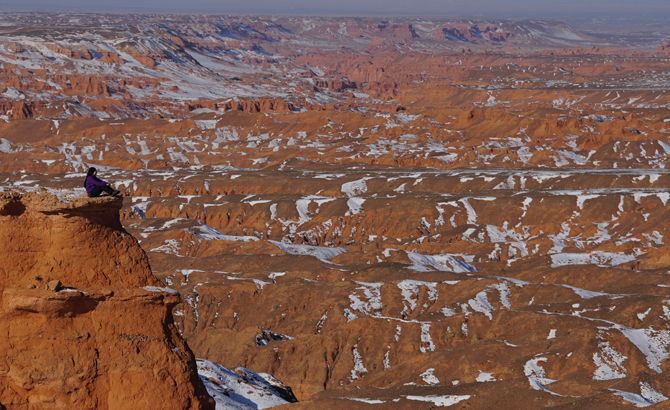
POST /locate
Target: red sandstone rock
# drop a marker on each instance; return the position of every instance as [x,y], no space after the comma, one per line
[106,340]
[146,60]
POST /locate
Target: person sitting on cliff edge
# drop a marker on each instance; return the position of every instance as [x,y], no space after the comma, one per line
[95,187]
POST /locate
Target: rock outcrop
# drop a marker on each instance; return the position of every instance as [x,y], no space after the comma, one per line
[85,323]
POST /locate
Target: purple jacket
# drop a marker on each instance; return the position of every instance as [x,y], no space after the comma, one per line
[92,182]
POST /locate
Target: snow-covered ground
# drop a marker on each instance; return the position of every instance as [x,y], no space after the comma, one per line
[242,389]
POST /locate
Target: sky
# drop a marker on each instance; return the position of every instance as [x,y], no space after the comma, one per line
[464,8]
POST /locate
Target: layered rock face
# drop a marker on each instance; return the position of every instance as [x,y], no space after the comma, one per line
[85,324]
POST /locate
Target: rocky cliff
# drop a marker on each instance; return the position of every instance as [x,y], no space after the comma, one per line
[84,322]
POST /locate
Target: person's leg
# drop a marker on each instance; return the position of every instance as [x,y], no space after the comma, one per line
[109,190]
[96,191]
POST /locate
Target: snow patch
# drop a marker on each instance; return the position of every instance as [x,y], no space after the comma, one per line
[445,263]
[241,389]
[354,188]
[429,378]
[600,258]
[318,252]
[440,401]
[210,234]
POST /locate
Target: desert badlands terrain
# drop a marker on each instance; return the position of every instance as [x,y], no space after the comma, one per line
[333,213]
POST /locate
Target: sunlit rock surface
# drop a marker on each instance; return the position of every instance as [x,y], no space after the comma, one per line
[86,323]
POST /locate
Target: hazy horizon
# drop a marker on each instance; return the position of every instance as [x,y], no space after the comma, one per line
[447,8]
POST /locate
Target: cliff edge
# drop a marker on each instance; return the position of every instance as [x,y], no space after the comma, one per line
[85,323]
